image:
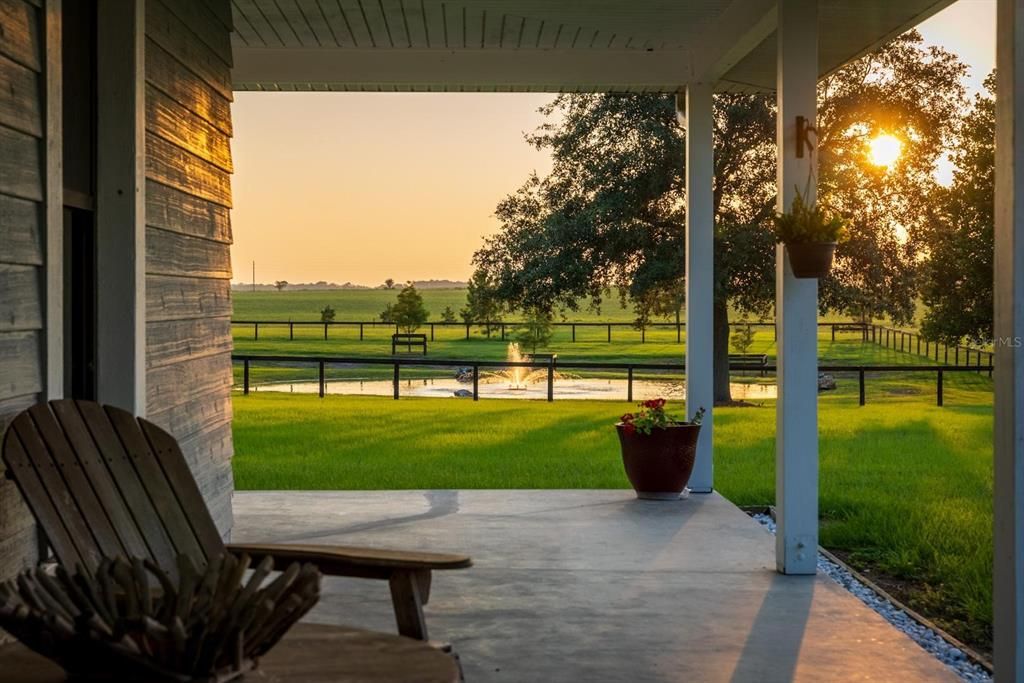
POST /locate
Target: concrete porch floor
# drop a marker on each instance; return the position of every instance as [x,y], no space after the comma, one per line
[596,586]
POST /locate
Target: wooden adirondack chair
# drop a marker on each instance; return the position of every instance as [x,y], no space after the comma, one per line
[102,483]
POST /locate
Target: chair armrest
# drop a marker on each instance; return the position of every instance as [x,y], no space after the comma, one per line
[336,560]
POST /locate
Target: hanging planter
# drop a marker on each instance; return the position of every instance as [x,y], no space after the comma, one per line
[810,235]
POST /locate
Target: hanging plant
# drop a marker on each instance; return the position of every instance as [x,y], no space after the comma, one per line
[810,234]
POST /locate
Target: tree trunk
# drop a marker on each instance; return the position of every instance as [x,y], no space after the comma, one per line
[721,352]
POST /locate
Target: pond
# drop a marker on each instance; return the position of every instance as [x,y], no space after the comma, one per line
[564,388]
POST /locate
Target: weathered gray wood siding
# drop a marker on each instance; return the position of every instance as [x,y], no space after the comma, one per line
[188,236]
[22,231]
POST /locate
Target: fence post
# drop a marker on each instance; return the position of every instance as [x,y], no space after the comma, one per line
[609,333]
[321,379]
[860,380]
[245,377]
[956,355]
[255,331]
[503,332]
[833,331]
[990,361]
[918,344]
[325,331]
[679,332]
[394,382]
[629,384]
[574,332]
[467,330]
[291,331]
[938,389]
[360,332]
[476,382]
[431,331]
[551,380]
[643,335]
[487,327]
[978,364]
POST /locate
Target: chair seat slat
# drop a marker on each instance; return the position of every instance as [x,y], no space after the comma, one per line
[34,491]
[179,476]
[128,482]
[68,521]
[172,515]
[95,468]
[83,496]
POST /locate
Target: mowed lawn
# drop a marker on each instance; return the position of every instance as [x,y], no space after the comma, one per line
[905,487]
[366,304]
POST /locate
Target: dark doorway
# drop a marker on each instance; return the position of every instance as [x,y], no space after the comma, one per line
[79,118]
[80,303]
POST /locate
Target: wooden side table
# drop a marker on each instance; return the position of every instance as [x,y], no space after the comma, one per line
[310,653]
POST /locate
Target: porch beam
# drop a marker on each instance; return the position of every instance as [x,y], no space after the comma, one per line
[740,28]
[464,69]
[1008,427]
[700,236]
[796,303]
[120,205]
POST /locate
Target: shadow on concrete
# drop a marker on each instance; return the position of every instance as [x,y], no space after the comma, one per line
[440,503]
[772,649]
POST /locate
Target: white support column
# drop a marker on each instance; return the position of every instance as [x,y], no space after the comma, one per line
[1008,570]
[120,205]
[53,209]
[700,284]
[796,304]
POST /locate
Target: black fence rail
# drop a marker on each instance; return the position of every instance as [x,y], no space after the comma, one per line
[553,364]
[912,342]
[500,328]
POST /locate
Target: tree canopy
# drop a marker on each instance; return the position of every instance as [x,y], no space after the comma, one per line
[408,311]
[608,218]
[956,279]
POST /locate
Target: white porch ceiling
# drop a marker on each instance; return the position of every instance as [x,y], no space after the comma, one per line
[539,45]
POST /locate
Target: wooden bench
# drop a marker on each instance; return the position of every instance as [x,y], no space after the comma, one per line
[860,328]
[749,361]
[408,341]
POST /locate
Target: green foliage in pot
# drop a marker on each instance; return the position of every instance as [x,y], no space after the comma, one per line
[804,224]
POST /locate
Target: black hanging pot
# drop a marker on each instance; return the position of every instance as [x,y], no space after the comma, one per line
[811,259]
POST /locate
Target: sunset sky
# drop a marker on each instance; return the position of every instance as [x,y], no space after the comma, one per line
[361,187]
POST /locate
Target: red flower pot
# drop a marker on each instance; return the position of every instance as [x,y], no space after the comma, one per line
[659,464]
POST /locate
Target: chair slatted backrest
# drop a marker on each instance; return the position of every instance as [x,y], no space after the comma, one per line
[102,483]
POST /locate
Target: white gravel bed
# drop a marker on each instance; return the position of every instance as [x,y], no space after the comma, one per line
[931,641]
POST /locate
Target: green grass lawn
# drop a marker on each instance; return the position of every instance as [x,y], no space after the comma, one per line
[905,487]
[366,304]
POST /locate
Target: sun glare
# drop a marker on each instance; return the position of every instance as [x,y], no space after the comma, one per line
[885,150]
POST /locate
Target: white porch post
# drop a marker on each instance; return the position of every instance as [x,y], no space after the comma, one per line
[796,304]
[700,233]
[120,206]
[1008,570]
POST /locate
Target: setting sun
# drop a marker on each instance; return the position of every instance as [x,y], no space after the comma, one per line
[885,150]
